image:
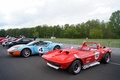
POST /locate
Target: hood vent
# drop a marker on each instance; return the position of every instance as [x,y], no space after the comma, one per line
[67,52]
[61,51]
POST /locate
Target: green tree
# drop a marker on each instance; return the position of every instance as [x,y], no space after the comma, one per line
[114,24]
[35,33]
[96,33]
[2,33]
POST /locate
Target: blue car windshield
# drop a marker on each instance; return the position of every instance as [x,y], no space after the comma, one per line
[32,43]
[38,43]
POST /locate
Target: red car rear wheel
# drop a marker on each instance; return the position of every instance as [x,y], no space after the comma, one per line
[106,58]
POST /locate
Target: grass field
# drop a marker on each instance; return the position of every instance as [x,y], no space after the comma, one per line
[104,42]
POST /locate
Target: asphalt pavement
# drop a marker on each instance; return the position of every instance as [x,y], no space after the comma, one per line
[35,68]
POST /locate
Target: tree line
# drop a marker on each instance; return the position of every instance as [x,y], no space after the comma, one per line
[94,29]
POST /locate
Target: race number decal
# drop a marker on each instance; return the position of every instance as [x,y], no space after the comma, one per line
[41,50]
[97,55]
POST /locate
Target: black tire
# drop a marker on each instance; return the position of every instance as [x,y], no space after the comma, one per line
[106,58]
[75,67]
[26,53]
[3,45]
[56,47]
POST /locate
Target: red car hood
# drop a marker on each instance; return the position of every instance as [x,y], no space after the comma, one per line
[62,56]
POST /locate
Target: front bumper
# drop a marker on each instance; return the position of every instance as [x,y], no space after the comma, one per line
[16,53]
[53,66]
[58,65]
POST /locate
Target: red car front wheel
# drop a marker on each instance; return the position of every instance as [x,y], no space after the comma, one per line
[75,67]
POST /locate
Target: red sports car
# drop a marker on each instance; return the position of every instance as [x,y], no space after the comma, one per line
[1,39]
[88,55]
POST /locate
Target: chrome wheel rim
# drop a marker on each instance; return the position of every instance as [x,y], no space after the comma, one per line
[77,68]
[107,58]
[26,53]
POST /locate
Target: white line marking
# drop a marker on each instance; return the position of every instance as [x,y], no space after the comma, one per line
[118,64]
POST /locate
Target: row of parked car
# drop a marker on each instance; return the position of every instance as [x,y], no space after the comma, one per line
[26,47]
[8,42]
[87,55]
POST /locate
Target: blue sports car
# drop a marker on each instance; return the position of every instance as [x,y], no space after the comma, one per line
[34,47]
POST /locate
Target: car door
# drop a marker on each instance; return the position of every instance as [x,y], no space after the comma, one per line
[88,56]
[47,47]
[94,53]
[42,49]
[35,49]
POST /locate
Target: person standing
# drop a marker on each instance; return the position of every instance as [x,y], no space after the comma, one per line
[35,37]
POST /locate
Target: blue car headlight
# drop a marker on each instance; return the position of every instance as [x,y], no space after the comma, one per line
[14,48]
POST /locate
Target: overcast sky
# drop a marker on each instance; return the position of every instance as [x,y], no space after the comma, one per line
[30,13]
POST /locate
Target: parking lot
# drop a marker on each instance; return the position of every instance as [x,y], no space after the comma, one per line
[35,68]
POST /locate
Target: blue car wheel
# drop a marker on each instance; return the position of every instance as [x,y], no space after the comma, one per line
[56,47]
[26,53]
